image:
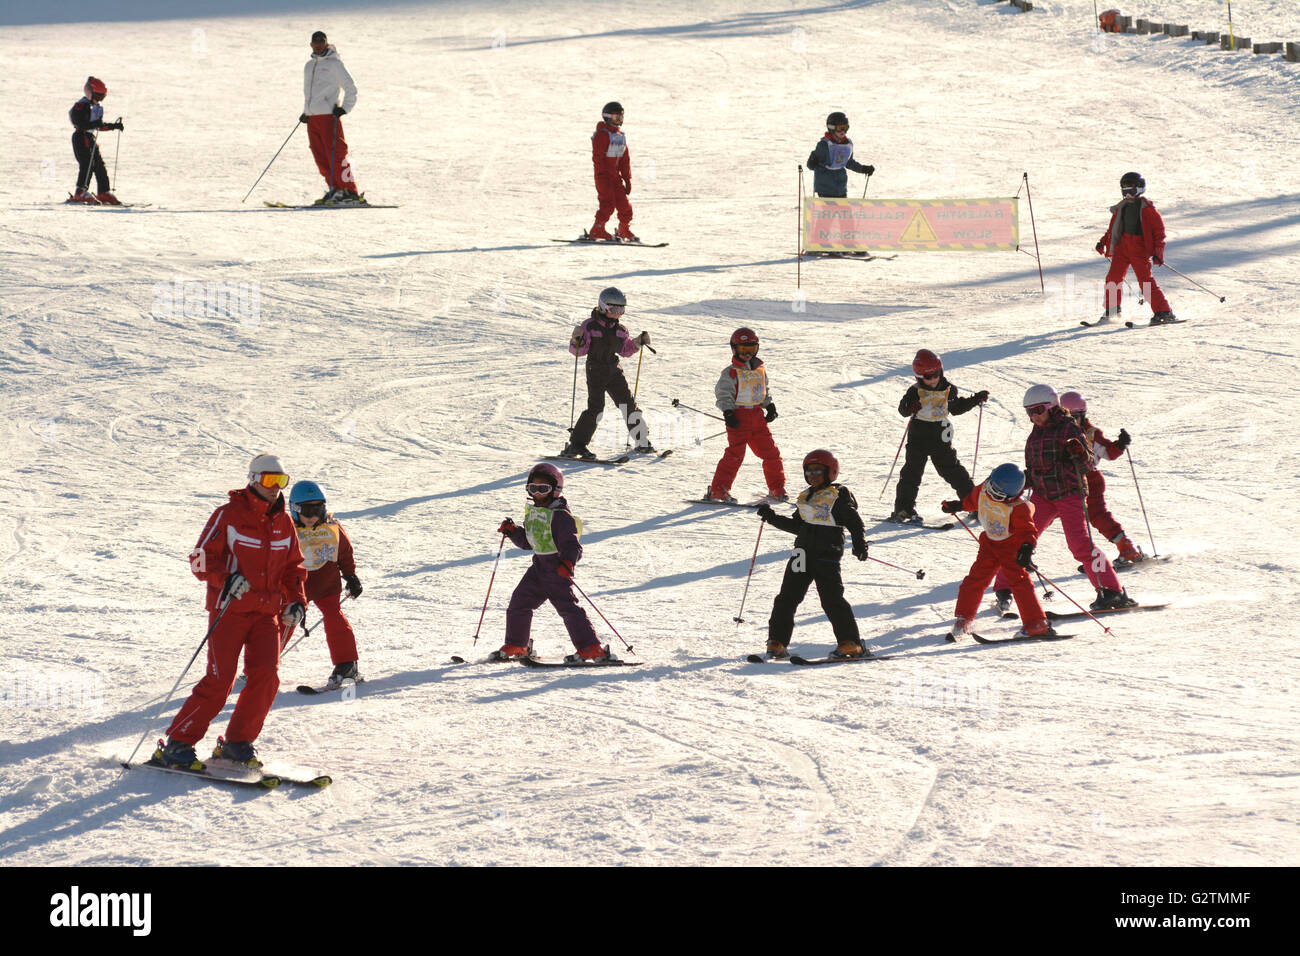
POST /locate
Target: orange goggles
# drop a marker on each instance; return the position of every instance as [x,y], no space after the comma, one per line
[272,479]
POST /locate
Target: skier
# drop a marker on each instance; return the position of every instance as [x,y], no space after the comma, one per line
[602,338]
[1099,446]
[1006,545]
[87,115]
[323,77]
[249,558]
[825,509]
[831,156]
[1135,237]
[1056,457]
[745,400]
[928,404]
[613,168]
[330,564]
[551,532]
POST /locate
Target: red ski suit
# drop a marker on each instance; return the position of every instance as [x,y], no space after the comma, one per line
[742,388]
[256,539]
[1126,249]
[1007,526]
[613,168]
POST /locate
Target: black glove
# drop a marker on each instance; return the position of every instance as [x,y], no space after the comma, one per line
[731,418]
[813,162]
[981,397]
[1101,247]
[115,125]
[950,507]
[771,413]
[1124,439]
[913,408]
[1158,259]
[236,586]
[1025,556]
[869,170]
[860,550]
[294,614]
[354,585]
[339,111]
[302,118]
[765,511]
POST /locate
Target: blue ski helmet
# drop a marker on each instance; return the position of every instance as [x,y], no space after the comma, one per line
[1005,481]
[303,492]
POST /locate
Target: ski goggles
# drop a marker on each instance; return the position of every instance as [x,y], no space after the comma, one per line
[311,509]
[1130,190]
[839,128]
[614,311]
[273,479]
[1032,410]
[929,375]
[539,488]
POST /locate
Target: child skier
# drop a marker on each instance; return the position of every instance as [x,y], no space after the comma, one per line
[551,532]
[603,339]
[825,509]
[928,404]
[613,168]
[1099,446]
[87,115]
[1006,545]
[831,156]
[1135,237]
[1055,458]
[328,558]
[746,403]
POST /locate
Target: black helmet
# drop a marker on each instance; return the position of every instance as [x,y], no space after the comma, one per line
[835,120]
[611,110]
[1134,182]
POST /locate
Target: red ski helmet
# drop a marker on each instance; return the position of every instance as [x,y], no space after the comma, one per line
[95,89]
[926,363]
[744,336]
[1073,402]
[545,471]
[820,456]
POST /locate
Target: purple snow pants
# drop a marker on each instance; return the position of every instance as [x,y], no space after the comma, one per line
[539,584]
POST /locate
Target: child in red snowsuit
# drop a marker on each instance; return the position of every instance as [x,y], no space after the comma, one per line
[330,563]
[747,407]
[613,168]
[1136,238]
[1099,446]
[1006,545]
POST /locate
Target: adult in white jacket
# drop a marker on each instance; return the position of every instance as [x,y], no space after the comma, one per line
[323,77]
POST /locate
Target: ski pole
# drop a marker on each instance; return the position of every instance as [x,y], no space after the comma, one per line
[1154,552]
[739,619]
[573,401]
[896,454]
[636,387]
[1046,581]
[500,548]
[90,169]
[920,575]
[699,441]
[1221,298]
[966,526]
[112,183]
[865,185]
[333,146]
[273,159]
[602,616]
[678,404]
[212,627]
[979,426]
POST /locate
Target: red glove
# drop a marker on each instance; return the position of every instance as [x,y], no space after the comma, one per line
[1074,448]
[564,569]
[507,527]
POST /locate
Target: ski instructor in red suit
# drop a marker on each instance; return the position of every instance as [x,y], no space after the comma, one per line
[249,558]
[613,166]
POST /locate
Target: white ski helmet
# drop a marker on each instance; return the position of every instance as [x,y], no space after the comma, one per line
[612,299]
[1040,395]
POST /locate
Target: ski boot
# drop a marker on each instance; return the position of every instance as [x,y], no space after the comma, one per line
[777,651]
[1108,315]
[236,751]
[84,196]
[596,234]
[725,497]
[848,649]
[1163,318]
[107,199]
[1108,600]
[960,629]
[1038,629]
[1003,599]
[905,516]
[177,754]
[778,496]
[572,450]
[645,448]
[591,652]
[512,652]
[342,672]
[625,233]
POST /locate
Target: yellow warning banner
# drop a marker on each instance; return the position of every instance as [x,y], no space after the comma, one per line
[921,225]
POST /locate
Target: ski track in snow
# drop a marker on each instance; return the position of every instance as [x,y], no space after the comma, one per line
[412,361]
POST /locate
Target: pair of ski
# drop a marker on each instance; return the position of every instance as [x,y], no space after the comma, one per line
[532,660]
[860,256]
[237,775]
[1132,325]
[620,460]
[105,205]
[756,503]
[918,522]
[326,205]
[1055,616]
[585,240]
[798,661]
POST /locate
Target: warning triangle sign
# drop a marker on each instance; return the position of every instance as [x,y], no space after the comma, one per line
[918,230]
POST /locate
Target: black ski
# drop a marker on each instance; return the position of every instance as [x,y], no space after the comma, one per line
[106,205]
[1095,322]
[1123,564]
[613,242]
[327,688]
[863,257]
[620,460]
[814,661]
[918,523]
[580,664]
[1148,325]
[1078,615]
[1019,640]
[734,504]
[326,205]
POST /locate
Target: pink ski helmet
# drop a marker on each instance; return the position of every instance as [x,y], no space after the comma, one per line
[1073,402]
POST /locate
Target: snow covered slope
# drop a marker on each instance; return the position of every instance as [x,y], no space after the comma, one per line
[413,362]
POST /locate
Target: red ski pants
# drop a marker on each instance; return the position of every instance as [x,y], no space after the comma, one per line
[258,636]
[994,558]
[1131,252]
[1075,525]
[610,196]
[330,150]
[1099,515]
[754,433]
[338,631]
